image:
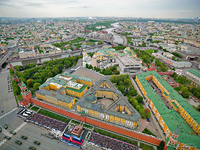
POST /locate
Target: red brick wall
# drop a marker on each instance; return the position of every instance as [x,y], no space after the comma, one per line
[100,124]
[166,73]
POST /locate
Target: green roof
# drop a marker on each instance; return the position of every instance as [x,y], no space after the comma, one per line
[170,116]
[89,79]
[77,90]
[195,72]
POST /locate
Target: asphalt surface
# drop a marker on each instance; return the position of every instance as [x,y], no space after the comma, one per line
[7,100]
[34,132]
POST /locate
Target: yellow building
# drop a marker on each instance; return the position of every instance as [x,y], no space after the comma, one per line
[170,109]
[103,101]
[56,90]
[56,98]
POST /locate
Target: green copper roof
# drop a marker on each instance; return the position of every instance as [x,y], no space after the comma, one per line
[23,84]
[77,90]
[170,116]
[195,72]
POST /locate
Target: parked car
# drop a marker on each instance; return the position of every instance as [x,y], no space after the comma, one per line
[6,126]
[12,132]
[7,137]
[18,142]
[36,142]
[31,148]
[24,137]
[148,120]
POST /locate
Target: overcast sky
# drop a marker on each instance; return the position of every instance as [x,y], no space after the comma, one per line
[117,8]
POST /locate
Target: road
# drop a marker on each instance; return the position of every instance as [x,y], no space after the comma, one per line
[7,100]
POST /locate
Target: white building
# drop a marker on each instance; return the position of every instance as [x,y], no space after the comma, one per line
[86,58]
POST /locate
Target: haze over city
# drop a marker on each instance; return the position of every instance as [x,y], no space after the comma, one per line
[101,74]
[117,8]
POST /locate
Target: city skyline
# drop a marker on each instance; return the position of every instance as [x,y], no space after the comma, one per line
[77,8]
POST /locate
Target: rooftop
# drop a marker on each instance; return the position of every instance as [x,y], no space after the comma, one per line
[195,72]
[170,116]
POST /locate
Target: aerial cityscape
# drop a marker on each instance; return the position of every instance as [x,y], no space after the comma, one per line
[100,75]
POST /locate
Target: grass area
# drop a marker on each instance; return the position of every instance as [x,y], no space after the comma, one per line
[11,77]
[54,116]
[148,132]
[35,108]
[146,147]
[20,97]
[30,105]
[87,126]
[115,136]
[150,51]
[88,135]
[75,122]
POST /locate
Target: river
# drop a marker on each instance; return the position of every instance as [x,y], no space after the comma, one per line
[117,39]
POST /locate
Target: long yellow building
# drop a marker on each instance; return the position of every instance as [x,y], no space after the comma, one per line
[178,119]
[103,101]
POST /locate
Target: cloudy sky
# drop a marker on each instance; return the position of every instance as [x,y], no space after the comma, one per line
[117,8]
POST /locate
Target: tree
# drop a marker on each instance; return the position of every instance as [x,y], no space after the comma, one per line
[11,71]
[100,42]
[127,83]
[135,103]
[148,115]
[185,94]
[29,82]
[198,107]
[16,89]
[139,98]
[161,146]
[132,92]
[36,86]
[147,110]
[137,107]
[160,47]
[121,88]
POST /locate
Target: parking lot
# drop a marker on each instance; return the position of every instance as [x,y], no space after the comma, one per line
[33,132]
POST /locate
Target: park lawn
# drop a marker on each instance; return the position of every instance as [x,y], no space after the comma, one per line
[35,108]
[148,132]
[20,97]
[75,122]
[53,115]
[150,51]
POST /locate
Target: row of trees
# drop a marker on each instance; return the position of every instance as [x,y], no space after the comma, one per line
[119,47]
[146,57]
[34,77]
[186,87]
[106,71]
[123,84]
[137,104]
[161,66]
[177,54]
[77,40]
